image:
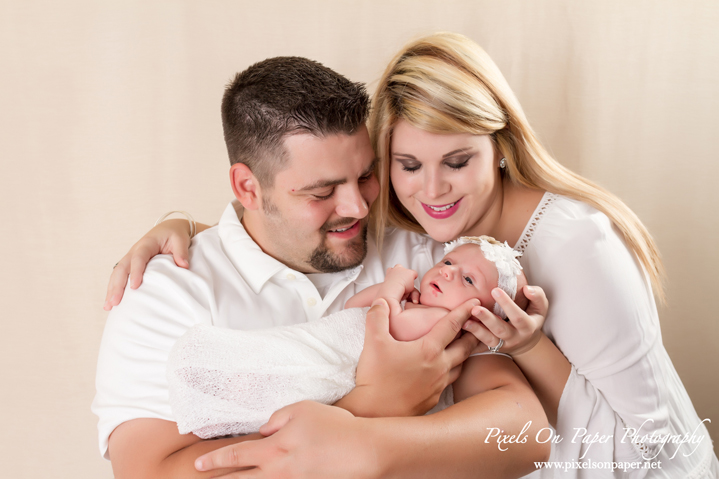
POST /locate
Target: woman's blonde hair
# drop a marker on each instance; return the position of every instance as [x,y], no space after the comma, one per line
[446,83]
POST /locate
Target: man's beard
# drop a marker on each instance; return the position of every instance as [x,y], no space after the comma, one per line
[326,261]
[322,259]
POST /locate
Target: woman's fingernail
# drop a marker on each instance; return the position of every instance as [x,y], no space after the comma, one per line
[475,302]
[469,326]
[529,290]
[199,465]
[495,293]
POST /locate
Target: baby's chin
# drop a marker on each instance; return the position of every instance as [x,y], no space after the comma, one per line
[429,300]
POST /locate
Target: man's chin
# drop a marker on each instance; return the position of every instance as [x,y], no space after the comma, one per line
[340,255]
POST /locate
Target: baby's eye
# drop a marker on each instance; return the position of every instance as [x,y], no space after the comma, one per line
[447,262]
[468,280]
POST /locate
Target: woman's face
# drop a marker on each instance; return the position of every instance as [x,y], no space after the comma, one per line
[449,182]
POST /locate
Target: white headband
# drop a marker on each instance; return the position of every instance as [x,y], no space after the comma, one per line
[503,257]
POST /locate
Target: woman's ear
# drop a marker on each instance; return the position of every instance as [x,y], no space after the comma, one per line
[245,186]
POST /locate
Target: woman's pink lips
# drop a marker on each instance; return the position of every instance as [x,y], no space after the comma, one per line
[441,214]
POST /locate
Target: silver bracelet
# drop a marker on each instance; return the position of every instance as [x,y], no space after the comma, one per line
[193,225]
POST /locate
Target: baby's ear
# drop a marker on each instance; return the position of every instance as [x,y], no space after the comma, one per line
[520,298]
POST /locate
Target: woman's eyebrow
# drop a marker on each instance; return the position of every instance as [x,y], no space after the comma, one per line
[394,153]
[454,152]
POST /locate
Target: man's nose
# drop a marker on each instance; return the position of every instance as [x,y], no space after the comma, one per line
[350,203]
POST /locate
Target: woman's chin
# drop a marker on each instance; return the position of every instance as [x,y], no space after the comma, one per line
[440,234]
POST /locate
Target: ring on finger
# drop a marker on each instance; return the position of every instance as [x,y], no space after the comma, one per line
[495,349]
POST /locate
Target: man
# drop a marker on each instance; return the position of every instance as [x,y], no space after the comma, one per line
[303,169]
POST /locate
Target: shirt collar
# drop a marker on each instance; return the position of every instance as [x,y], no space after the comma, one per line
[255,267]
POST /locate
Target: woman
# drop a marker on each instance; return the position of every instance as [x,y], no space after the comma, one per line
[458,157]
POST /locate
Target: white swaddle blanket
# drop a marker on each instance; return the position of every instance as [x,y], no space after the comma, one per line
[225,381]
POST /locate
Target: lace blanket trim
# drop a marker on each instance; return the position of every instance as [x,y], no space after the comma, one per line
[547,200]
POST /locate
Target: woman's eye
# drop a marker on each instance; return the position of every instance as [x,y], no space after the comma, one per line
[458,165]
[408,164]
[468,280]
[325,197]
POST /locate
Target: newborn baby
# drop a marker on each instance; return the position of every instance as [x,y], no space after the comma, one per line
[471,268]
[230,382]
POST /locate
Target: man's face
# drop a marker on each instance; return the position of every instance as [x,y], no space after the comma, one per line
[314,218]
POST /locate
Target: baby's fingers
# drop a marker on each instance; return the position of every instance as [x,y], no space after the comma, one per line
[414,296]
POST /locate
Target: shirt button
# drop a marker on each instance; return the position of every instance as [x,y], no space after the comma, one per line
[291,276]
[311,302]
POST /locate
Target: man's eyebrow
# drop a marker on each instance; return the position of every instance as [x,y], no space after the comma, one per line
[328,183]
[370,168]
[323,184]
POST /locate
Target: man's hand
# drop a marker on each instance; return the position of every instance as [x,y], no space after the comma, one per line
[406,378]
[311,441]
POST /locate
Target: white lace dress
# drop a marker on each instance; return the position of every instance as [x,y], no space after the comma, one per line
[603,317]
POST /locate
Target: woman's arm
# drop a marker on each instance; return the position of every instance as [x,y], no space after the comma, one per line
[540,360]
[169,237]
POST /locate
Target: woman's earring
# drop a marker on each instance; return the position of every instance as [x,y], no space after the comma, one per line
[503,163]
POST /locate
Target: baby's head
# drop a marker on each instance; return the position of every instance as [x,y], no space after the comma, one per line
[471,268]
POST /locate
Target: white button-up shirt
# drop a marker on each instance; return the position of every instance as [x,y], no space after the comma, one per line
[231,283]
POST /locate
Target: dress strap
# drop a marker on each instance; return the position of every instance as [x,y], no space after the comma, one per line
[537,216]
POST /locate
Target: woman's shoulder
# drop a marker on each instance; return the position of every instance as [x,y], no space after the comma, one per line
[563,221]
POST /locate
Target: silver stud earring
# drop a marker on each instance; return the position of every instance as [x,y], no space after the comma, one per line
[503,163]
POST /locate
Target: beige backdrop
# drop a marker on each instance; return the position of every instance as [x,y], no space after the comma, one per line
[109,116]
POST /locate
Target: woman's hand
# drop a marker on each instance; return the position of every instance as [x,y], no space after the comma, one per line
[524,329]
[169,237]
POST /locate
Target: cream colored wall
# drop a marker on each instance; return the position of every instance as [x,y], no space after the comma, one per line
[109,116]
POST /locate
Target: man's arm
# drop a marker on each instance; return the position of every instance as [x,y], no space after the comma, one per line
[308,439]
[312,440]
[154,449]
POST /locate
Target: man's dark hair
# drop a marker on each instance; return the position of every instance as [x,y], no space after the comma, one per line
[283,96]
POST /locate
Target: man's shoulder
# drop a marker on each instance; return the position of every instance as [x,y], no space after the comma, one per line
[205,254]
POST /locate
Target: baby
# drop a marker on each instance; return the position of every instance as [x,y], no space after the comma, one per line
[230,382]
[471,268]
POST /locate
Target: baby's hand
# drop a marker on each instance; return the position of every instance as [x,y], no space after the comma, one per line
[400,274]
[524,328]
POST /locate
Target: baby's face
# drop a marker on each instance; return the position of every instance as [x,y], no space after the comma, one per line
[463,274]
